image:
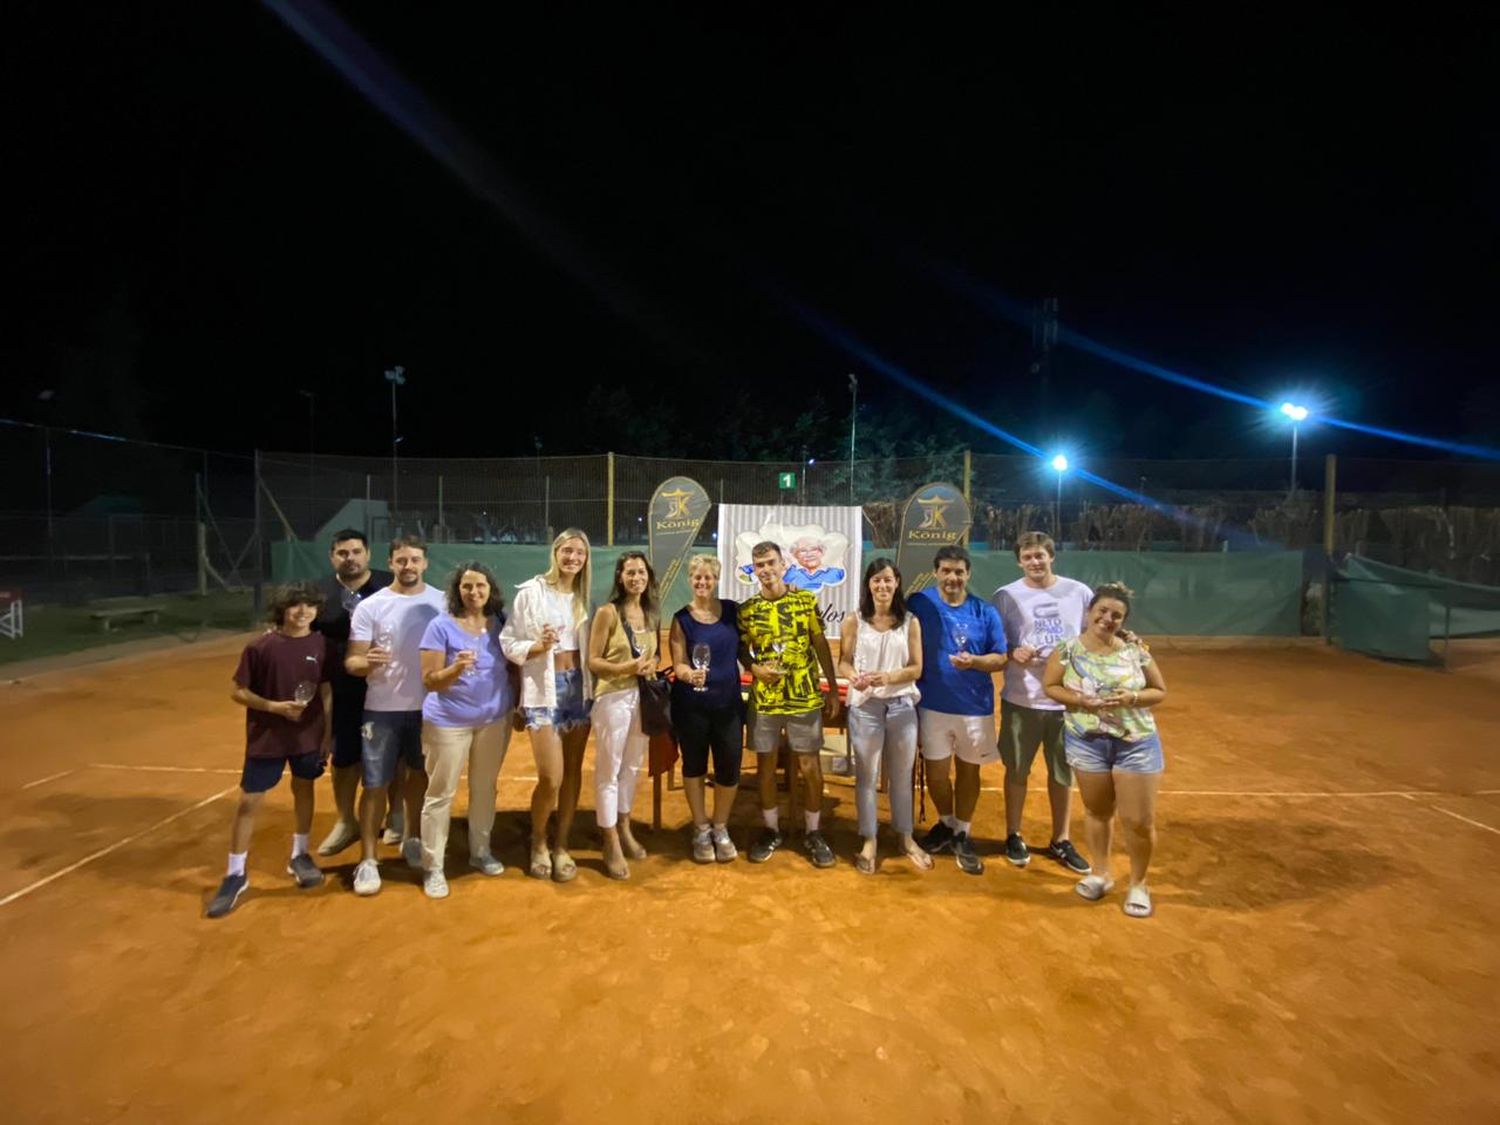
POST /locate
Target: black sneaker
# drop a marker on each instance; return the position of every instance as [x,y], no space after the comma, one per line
[817,850]
[304,870]
[1016,850]
[1066,854]
[227,897]
[765,847]
[968,859]
[939,840]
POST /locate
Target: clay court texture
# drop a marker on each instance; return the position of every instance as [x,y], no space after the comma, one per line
[1323,949]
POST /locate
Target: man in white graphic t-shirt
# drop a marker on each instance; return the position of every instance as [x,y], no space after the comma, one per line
[1040,611]
[385,648]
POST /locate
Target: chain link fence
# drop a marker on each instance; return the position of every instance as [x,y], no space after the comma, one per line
[91,516]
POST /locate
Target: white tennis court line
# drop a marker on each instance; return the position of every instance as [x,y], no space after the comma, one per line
[116,846]
[49,777]
[1456,816]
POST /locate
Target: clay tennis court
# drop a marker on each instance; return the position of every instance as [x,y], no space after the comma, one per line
[1323,948]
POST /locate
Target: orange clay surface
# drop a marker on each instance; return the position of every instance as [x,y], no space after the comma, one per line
[1324,947]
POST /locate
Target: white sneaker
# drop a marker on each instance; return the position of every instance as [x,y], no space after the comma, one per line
[395,828]
[435,885]
[411,851]
[724,849]
[367,877]
[703,846]
[487,864]
[341,837]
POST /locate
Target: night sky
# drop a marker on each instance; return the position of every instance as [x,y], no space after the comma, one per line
[208,217]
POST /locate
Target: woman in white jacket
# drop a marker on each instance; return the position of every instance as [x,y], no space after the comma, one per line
[547,635]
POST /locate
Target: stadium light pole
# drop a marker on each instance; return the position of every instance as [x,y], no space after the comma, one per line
[853,418]
[396,377]
[312,403]
[1298,415]
[1059,465]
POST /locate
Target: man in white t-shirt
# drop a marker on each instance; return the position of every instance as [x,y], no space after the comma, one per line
[1040,611]
[385,648]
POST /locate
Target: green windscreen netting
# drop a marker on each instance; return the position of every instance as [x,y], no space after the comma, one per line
[1384,610]
[1215,594]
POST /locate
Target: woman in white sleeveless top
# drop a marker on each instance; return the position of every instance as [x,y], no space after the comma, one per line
[880,655]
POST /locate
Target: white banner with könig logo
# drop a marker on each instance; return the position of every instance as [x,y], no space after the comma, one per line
[821,548]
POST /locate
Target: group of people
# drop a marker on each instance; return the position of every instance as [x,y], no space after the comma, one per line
[404,686]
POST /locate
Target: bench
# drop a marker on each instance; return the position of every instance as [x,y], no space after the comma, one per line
[108,618]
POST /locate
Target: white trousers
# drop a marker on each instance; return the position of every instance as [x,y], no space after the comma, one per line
[619,750]
[447,750]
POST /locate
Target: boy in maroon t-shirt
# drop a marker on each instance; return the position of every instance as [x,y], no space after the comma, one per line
[282,682]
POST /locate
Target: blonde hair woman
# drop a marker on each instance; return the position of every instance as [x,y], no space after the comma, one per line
[547,635]
[707,711]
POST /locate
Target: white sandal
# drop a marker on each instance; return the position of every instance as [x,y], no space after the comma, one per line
[1094,887]
[1137,901]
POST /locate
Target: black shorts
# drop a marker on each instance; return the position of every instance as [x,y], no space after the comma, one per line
[348,739]
[699,729]
[263,774]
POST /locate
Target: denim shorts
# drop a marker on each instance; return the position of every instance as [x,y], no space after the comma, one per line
[571,711]
[1103,753]
[386,737]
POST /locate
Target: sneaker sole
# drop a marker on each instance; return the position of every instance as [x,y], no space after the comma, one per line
[239,894]
[327,848]
[318,882]
[976,868]
[1022,862]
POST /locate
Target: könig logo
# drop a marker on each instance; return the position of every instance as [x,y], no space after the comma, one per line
[934,509]
[679,498]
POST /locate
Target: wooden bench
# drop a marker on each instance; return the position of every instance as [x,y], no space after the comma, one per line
[107,618]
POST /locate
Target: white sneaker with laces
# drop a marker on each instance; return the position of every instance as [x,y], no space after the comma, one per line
[435,885]
[367,877]
[724,849]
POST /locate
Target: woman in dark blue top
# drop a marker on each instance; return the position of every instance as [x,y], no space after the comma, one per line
[707,711]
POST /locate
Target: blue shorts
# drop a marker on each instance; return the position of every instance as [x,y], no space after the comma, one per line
[571,711]
[263,774]
[386,737]
[1103,753]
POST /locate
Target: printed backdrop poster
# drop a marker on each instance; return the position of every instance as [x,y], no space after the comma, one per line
[820,546]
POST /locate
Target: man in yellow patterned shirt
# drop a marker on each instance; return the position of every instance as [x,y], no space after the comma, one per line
[780,634]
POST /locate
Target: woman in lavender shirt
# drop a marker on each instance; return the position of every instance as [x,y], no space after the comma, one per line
[465,718]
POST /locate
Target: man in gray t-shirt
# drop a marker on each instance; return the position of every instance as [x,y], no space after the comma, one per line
[1040,611]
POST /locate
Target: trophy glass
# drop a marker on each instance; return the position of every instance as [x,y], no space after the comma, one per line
[700,663]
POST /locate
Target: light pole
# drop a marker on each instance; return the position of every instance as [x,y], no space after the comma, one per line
[1298,415]
[312,400]
[396,377]
[1059,466]
[853,418]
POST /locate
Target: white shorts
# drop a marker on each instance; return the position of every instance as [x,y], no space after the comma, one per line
[971,737]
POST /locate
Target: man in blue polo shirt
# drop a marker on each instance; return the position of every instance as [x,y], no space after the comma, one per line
[963,646]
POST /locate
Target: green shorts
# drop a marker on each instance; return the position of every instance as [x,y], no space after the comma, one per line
[1022,730]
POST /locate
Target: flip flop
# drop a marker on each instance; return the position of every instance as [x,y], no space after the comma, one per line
[864,864]
[1094,887]
[919,858]
[563,867]
[541,862]
[1138,901]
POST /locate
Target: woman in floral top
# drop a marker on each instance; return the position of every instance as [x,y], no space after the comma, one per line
[1108,681]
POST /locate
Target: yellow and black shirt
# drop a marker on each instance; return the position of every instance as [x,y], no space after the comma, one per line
[789,622]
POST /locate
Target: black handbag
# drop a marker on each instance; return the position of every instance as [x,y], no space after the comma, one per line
[656,691]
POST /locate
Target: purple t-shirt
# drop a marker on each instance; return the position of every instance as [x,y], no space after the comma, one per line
[273,666]
[479,698]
